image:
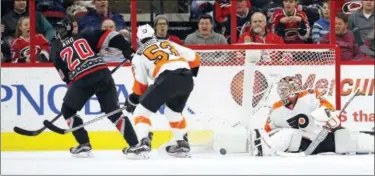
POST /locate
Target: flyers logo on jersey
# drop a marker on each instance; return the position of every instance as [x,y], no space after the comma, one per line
[298,121]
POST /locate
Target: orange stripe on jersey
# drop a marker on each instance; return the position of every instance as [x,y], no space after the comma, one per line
[267,127]
[323,101]
[303,93]
[196,62]
[141,119]
[327,104]
[139,88]
[277,105]
[162,62]
[180,125]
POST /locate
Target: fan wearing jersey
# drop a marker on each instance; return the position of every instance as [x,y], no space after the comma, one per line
[171,67]
[76,60]
[296,120]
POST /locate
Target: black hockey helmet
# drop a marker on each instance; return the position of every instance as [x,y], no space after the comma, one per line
[63,28]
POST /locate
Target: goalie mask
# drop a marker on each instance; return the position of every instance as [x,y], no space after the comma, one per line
[288,89]
[63,29]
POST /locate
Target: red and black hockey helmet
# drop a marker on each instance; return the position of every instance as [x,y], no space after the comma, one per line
[63,28]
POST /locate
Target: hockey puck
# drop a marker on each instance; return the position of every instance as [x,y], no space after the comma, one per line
[223,151]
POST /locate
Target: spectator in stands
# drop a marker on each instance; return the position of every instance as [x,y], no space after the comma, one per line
[20,9]
[321,27]
[5,52]
[52,10]
[344,39]
[109,24]
[205,33]
[93,19]
[243,14]
[21,45]
[78,8]
[258,33]
[199,7]
[363,18]
[161,29]
[370,43]
[291,24]
[5,48]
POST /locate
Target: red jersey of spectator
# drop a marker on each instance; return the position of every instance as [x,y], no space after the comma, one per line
[21,48]
[290,32]
[269,37]
[223,10]
[172,38]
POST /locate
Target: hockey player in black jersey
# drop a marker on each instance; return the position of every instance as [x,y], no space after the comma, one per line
[76,60]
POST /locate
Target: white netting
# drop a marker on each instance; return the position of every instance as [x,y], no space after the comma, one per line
[219,86]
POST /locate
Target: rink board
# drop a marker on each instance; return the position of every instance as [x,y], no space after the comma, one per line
[28,100]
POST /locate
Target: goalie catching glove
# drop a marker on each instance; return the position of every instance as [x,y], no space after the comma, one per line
[131,102]
[327,116]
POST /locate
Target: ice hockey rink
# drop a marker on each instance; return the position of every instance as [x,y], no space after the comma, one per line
[113,162]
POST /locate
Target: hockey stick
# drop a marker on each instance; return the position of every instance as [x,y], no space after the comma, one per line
[59,130]
[24,132]
[321,136]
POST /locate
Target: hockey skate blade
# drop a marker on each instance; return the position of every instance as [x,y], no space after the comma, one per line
[180,154]
[83,155]
[140,156]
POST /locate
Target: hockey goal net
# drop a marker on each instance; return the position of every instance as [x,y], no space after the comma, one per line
[238,86]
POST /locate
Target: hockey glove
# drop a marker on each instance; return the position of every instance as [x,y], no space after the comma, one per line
[131,102]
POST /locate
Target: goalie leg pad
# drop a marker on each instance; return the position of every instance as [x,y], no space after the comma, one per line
[353,142]
[233,140]
[282,140]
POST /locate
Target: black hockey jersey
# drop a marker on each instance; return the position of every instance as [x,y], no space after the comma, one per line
[77,56]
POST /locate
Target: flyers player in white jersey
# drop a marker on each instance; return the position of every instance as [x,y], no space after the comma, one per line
[171,67]
[296,120]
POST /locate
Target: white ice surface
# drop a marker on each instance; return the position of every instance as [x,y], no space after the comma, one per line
[113,162]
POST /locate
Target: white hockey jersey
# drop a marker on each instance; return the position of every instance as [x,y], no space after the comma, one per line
[156,56]
[299,116]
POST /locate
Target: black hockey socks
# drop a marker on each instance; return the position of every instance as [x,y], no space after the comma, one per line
[125,127]
[74,120]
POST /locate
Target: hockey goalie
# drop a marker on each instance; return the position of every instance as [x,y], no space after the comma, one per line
[296,120]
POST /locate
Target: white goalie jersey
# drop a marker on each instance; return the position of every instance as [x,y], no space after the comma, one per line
[299,117]
[156,56]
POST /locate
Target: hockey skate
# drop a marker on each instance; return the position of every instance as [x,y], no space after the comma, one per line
[81,151]
[181,150]
[140,151]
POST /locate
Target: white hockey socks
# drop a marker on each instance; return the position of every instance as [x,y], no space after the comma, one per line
[177,122]
[142,123]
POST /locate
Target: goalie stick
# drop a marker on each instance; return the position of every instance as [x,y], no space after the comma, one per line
[321,136]
[25,132]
